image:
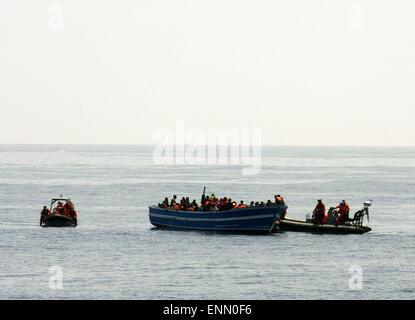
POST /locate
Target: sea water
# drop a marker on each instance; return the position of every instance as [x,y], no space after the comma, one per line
[115,253]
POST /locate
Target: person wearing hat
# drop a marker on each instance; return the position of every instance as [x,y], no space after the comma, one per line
[319,211]
[343,210]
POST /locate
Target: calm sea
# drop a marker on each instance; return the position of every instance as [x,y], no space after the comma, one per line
[115,253]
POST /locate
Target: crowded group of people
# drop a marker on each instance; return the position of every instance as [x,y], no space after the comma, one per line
[212,203]
[342,212]
[67,209]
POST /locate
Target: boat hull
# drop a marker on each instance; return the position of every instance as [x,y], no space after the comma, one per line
[246,220]
[303,226]
[58,221]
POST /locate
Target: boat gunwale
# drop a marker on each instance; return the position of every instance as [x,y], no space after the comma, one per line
[304,226]
[209,212]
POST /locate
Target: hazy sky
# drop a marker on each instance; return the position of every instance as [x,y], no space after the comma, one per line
[305,72]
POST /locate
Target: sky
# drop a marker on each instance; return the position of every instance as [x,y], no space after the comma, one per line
[116,72]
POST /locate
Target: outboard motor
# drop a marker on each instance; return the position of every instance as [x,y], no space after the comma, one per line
[309,217]
[359,215]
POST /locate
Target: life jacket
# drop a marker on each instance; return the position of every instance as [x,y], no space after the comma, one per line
[342,210]
[44,212]
[321,209]
[67,209]
[347,208]
[176,207]
[278,200]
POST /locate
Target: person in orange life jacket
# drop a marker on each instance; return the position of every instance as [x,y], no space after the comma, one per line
[43,214]
[59,208]
[278,200]
[67,209]
[347,208]
[242,205]
[343,210]
[212,202]
[319,211]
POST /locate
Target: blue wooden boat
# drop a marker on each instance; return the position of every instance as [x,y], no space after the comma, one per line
[247,220]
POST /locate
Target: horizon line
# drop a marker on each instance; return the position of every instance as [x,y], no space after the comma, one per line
[148,145]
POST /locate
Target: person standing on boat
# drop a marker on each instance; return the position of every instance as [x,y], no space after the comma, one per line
[173,201]
[67,209]
[279,201]
[347,209]
[343,211]
[212,201]
[43,214]
[319,211]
